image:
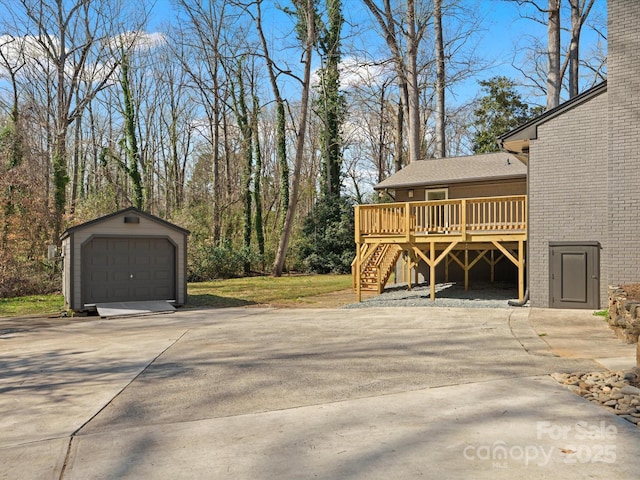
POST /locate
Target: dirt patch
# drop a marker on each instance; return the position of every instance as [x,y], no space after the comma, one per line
[326,300]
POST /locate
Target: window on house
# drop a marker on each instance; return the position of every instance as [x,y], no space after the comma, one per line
[437,194]
[438,217]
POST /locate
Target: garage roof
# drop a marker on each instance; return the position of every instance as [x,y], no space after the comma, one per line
[132,210]
[446,171]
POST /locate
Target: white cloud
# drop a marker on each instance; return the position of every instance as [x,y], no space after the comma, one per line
[355,72]
[138,40]
[19,50]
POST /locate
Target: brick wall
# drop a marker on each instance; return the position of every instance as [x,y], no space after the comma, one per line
[567,189]
[623,258]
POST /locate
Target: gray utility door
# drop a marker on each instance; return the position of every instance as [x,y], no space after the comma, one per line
[574,275]
[116,269]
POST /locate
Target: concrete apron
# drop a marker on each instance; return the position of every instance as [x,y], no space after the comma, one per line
[255,393]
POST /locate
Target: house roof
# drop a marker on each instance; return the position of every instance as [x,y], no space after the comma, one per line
[446,171]
[517,141]
[134,210]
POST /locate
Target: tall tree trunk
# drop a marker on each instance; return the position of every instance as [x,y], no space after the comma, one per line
[245,124]
[399,140]
[580,10]
[76,166]
[257,181]
[413,89]
[406,70]
[441,151]
[329,104]
[281,254]
[381,148]
[553,35]
[131,139]
[281,122]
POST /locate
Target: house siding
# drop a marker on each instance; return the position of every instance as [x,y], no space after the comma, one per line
[469,190]
[623,256]
[567,189]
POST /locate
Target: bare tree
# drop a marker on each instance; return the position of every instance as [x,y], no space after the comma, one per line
[72,41]
[306,16]
[554,72]
[579,12]
[441,150]
[281,122]
[554,78]
[412,24]
[200,50]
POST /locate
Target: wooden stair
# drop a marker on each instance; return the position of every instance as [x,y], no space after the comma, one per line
[377,266]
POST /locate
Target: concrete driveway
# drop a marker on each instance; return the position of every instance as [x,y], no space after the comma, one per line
[253,393]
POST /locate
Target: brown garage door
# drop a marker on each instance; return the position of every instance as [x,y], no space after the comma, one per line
[128,270]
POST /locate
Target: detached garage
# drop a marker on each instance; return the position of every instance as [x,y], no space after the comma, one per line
[128,256]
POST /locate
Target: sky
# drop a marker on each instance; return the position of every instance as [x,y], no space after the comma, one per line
[495,42]
[501,31]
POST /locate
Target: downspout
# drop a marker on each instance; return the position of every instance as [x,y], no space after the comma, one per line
[517,303]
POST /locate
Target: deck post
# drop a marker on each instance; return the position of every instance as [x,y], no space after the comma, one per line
[466,267]
[432,271]
[447,261]
[358,274]
[409,267]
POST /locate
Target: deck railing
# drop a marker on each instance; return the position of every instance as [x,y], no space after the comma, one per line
[443,217]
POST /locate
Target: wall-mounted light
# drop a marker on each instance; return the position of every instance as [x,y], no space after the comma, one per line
[410,194]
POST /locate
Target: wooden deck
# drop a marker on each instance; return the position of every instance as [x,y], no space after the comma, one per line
[434,231]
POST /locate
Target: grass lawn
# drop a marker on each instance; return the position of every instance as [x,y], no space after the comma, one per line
[283,291]
[34,305]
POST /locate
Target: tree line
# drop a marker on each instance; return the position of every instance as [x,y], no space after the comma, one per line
[254,124]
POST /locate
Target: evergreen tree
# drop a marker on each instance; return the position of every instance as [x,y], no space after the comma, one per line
[327,244]
[330,105]
[499,111]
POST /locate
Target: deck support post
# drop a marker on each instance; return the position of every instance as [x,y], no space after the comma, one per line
[446,269]
[433,261]
[466,268]
[358,273]
[518,262]
[432,272]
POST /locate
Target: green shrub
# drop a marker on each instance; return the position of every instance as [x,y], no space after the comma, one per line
[208,262]
[327,244]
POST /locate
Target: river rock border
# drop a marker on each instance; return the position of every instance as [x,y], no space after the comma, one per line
[617,392]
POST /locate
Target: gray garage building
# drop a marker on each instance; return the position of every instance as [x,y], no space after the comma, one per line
[128,256]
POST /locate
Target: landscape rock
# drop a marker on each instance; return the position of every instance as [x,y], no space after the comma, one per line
[630,390]
[617,392]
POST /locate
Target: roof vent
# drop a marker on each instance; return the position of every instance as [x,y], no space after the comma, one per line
[131,219]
